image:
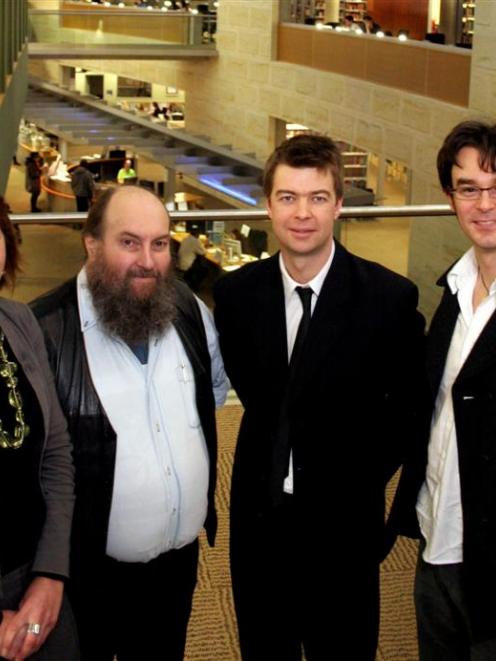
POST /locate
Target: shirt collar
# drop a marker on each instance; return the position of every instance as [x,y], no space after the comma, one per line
[87,312]
[315,283]
[463,273]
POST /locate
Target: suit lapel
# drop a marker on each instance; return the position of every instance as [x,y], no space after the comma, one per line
[483,352]
[272,320]
[440,334]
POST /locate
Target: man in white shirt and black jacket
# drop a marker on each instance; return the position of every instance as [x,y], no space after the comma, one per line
[453,481]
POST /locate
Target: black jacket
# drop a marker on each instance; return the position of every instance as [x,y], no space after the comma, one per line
[474,405]
[93,438]
[351,403]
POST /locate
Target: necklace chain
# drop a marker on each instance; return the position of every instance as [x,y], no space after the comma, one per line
[8,370]
[483,281]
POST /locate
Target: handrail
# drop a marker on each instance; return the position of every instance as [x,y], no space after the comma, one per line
[245,215]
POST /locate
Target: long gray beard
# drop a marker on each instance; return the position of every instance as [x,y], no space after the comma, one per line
[132,318]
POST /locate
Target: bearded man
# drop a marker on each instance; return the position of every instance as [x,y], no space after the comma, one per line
[138,373]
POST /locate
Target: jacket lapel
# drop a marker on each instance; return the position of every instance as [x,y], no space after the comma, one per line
[271,324]
[440,334]
[483,352]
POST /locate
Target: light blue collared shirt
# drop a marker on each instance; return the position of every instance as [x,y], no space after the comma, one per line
[159,499]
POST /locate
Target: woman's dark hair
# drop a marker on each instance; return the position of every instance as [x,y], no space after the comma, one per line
[12,257]
[480,136]
[307,150]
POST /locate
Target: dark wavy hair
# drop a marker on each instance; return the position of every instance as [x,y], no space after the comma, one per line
[479,135]
[307,150]
[12,257]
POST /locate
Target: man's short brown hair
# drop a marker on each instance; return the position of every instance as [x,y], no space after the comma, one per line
[307,150]
[479,135]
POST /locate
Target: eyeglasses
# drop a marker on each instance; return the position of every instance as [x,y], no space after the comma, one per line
[469,192]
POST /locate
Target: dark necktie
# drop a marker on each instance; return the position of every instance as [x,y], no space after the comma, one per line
[305,294]
[282,444]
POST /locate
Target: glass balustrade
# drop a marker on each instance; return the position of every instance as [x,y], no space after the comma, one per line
[98,25]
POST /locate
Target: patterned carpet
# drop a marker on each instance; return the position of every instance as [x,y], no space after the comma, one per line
[212,632]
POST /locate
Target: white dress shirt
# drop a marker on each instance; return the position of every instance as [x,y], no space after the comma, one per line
[439,507]
[159,499]
[294,313]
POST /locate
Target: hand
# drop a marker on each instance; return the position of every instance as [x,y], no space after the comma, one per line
[40,605]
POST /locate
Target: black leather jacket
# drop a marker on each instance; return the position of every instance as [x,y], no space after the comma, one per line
[93,438]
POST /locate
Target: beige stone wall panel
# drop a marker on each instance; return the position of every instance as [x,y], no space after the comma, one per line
[386,105]
[358,97]
[305,82]
[269,101]
[369,136]
[398,144]
[342,126]
[293,108]
[248,43]
[317,116]
[416,114]
[282,75]
[331,88]
[258,72]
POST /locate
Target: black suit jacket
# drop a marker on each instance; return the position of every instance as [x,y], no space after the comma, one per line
[351,400]
[474,405]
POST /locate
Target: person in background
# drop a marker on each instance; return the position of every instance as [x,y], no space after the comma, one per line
[33,174]
[190,260]
[450,484]
[349,22]
[83,186]
[369,25]
[36,485]
[138,371]
[324,350]
[126,172]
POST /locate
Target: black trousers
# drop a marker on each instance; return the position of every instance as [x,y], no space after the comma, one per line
[443,623]
[293,594]
[82,203]
[137,611]
[62,643]
[34,199]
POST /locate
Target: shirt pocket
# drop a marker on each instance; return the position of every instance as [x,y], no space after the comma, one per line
[187,387]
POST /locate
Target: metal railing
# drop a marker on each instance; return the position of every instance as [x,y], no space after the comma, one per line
[425,211]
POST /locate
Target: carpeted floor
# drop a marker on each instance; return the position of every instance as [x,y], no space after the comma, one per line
[212,632]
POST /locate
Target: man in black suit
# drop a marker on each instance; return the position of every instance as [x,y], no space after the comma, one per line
[326,421]
[456,505]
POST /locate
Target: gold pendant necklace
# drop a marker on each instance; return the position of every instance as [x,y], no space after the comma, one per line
[21,429]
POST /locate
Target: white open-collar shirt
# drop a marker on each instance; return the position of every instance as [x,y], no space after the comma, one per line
[439,507]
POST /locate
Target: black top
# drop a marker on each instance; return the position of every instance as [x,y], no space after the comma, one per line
[22,503]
